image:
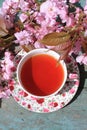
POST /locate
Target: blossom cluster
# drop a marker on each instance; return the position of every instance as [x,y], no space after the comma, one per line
[39,20]
[26,22]
[6,73]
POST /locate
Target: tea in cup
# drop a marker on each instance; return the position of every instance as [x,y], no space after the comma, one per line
[40,74]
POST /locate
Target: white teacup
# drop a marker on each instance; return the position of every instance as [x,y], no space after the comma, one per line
[40,74]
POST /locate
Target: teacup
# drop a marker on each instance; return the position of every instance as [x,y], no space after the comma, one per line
[40,74]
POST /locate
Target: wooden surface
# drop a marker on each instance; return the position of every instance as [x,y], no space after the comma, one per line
[72,117]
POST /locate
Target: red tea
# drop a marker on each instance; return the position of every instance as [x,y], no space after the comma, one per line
[41,76]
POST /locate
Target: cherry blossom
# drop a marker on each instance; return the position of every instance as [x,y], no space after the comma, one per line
[23,37]
[23,5]
[5,93]
[7,66]
[49,9]
[6,74]
[23,17]
[82,59]
[74,1]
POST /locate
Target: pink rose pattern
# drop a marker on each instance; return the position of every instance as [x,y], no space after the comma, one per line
[53,103]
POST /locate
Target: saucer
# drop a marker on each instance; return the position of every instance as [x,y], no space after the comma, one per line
[48,104]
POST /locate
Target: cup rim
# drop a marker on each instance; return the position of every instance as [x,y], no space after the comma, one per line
[40,51]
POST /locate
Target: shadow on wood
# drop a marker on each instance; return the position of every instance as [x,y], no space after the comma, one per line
[0,102]
[83,77]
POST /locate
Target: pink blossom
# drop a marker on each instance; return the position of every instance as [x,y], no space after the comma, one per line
[76,49]
[8,10]
[70,21]
[39,17]
[5,93]
[48,13]
[6,5]
[7,66]
[8,56]
[73,1]
[23,17]
[8,21]
[85,60]
[23,37]
[85,33]
[30,28]
[41,32]
[85,9]
[6,75]
[78,12]
[45,29]
[9,6]
[49,9]
[63,17]
[23,5]
[82,59]
[38,45]
[31,4]
[63,10]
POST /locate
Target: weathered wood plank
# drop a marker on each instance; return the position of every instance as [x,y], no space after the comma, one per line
[72,117]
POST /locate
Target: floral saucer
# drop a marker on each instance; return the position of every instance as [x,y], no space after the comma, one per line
[53,103]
